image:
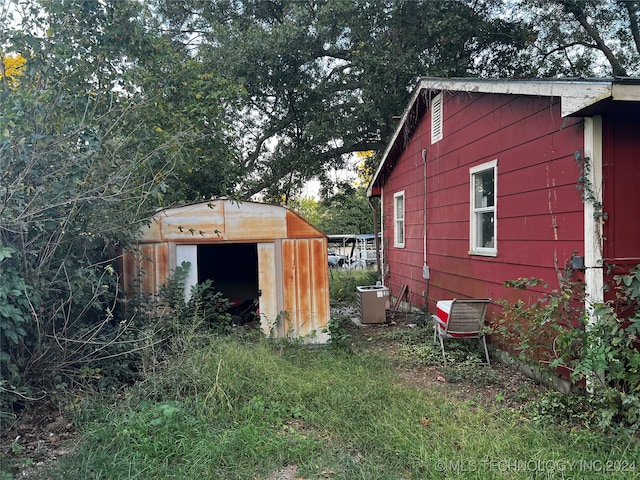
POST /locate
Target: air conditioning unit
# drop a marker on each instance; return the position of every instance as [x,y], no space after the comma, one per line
[372,301]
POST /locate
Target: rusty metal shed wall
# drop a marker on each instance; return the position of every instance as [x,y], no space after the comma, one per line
[146,268]
[305,286]
[292,259]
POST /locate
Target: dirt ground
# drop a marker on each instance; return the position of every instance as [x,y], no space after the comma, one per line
[37,437]
[509,387]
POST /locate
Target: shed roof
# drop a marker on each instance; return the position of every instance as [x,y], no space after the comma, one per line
[577,97]
[220,220]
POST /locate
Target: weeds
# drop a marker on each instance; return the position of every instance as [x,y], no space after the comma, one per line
[343,284]
[599,347]
[275,404]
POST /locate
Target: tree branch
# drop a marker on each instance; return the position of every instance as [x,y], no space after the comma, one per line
[633,22]
[361,146]
[579,14]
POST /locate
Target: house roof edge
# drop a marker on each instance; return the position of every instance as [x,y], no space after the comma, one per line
[576,94]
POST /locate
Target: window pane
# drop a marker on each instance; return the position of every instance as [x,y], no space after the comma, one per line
[484,189]
[485,230]
[399,232]
[399,208]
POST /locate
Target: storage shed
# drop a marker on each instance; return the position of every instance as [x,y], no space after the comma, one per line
[251,251]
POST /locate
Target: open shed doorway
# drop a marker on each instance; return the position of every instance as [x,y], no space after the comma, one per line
[233,268]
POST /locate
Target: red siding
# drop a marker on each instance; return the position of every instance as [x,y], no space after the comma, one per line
[539,209]
[621,203]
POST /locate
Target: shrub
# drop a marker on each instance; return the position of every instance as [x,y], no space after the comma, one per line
[343,283]
[610,357]
[548,327]
[601,350]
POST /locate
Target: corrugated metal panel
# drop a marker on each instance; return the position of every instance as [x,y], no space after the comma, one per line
[193,223]
[221,220]
[146,269]
[320,282]
[306,287]
[289,272]
[299,228]
[250,221]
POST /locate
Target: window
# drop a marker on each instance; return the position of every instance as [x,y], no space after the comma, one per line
[436,118]
[398,219]
[483,209]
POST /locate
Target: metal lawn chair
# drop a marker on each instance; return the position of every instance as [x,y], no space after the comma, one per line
[466,320]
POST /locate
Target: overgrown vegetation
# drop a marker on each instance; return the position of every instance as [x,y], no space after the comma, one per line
[343,284]
[237,409]
[109,109]
[598,347]
[212,405]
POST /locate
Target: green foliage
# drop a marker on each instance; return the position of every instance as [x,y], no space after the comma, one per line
[15,319]
[175,324]
[548,326]
[470,369]
[345,212]
[103,116]
[343,283]
[610,358]
[311,69]
[568,409]
[583,38]
[337,329]
[585,185]
[603,350]
[235,409]
[14,302]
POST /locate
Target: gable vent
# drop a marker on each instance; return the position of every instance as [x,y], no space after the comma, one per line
[436,118]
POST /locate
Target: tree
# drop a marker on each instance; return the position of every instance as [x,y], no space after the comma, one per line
[325,78]
[96,132]
[584,37]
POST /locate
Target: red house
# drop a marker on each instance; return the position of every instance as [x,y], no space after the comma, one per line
[478,185]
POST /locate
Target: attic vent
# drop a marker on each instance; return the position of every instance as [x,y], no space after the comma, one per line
[436,118]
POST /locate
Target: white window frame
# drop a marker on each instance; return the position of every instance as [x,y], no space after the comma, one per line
[437,118]
[399,224]
[477,210]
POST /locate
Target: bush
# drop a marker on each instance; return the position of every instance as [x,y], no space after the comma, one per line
[610,357]
[343,283]
[548,328]
[600,350]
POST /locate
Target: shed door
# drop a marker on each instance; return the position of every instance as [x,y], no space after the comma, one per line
[270,284]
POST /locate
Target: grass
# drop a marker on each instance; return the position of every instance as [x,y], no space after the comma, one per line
[237,409]
[251,408]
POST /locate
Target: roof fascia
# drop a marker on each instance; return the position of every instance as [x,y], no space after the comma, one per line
[628,93]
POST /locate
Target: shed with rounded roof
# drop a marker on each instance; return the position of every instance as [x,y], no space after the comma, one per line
[253,252]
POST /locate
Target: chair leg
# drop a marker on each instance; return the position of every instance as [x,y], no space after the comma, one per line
[486,352]
[442,346]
